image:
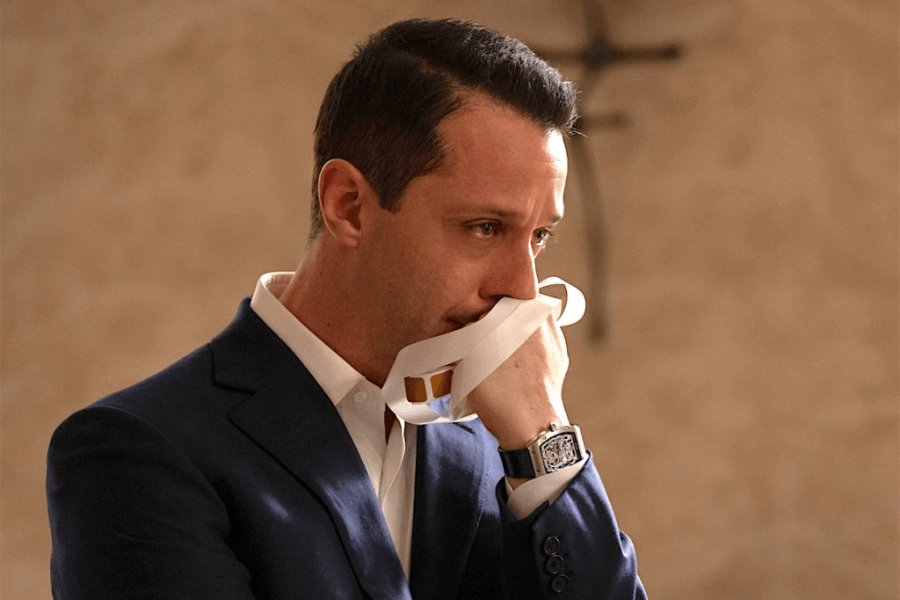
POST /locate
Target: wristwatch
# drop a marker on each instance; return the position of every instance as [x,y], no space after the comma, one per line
[557,447]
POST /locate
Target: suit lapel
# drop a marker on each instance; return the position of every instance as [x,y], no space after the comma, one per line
[292,419]
[449,471]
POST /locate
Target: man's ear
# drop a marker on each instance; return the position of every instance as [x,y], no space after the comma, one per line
[343,190]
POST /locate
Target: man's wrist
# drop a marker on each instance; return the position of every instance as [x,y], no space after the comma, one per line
[555,448]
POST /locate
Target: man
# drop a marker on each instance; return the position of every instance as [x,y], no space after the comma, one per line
[266,464]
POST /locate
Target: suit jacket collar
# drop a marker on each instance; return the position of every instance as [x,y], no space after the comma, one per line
[289,416]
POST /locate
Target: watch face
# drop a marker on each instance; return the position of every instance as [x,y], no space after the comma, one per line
[559,452]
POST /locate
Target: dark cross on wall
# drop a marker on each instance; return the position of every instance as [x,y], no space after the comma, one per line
[600,53]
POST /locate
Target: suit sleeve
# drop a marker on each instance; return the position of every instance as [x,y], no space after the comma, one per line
[131,517]
[571,549]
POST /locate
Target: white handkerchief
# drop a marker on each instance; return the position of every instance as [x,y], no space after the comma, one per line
[476,351]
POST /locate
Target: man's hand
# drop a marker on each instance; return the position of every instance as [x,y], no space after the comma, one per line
[518,400]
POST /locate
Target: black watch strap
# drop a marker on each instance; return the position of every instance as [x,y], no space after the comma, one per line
[517,463]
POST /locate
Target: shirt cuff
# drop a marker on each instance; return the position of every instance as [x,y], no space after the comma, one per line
[526,498]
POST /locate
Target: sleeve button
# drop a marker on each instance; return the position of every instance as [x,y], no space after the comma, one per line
[559,583]
[555,564]
[551,545]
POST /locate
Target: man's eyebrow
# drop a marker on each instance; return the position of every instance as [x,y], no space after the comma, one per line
[503,213]
[554,219]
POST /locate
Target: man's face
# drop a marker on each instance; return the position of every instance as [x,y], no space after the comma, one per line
[467,235]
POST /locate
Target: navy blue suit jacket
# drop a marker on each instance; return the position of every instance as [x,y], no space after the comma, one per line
[230,475]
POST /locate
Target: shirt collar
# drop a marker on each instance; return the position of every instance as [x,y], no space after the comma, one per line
[335,375]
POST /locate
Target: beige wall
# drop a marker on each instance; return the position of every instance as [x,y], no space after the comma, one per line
[743,409]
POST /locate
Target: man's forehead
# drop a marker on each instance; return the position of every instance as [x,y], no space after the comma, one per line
[471,101]
[494,127]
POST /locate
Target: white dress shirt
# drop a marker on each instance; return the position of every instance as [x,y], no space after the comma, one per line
[390,464]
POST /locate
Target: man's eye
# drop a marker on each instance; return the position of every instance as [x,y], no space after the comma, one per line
[486,229]
[542,236]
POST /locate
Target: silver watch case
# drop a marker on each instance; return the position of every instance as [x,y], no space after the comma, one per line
[559,447]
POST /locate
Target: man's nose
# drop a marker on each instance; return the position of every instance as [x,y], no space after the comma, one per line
[513,274]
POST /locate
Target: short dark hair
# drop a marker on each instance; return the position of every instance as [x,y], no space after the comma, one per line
[381,111]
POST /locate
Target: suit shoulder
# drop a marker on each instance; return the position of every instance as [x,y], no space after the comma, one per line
[189,375]
[180,400]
